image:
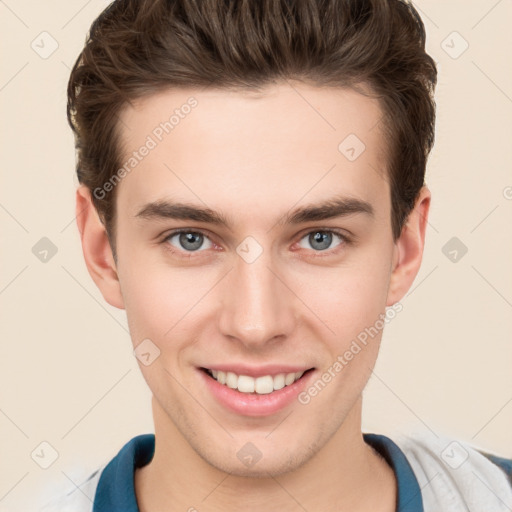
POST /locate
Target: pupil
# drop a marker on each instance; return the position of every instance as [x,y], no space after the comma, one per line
[188,238]
[320,236]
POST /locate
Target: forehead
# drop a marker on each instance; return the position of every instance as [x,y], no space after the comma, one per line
[286,144]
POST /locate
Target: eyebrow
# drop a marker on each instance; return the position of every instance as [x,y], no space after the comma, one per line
[339,206]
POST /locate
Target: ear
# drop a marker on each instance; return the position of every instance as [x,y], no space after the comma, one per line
[96,249]
[408,250]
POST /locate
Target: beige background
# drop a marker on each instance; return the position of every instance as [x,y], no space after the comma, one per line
[68,376]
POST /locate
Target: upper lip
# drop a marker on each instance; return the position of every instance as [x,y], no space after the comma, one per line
[257,371]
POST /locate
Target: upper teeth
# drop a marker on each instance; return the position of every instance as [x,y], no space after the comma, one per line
[261,385]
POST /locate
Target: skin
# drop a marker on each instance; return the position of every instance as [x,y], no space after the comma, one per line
[255,157]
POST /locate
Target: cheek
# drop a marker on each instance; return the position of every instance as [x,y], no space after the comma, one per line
[348,298]
[353,307]
[161,302]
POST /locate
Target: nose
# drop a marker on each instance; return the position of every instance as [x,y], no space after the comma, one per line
[257,306]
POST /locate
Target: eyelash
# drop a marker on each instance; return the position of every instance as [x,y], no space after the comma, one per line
[345,240]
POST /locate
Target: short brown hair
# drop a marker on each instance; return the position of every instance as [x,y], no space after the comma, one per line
[139,47]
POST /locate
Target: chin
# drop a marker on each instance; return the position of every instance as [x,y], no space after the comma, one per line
[248,461]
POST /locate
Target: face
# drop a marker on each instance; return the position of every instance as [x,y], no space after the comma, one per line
[265,290]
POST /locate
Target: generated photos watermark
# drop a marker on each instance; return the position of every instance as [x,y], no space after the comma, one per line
[356,346]
[152,140]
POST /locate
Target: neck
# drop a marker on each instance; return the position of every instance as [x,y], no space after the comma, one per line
[345,474]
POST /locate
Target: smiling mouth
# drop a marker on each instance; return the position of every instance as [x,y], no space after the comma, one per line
[255,385]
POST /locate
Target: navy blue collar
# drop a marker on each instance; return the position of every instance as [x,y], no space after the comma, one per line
[409,492]
[116,492]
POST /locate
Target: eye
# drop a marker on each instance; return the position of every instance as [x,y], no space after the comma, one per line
[190,241]
[321,240]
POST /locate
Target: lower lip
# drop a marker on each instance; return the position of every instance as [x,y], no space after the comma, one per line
[249,404]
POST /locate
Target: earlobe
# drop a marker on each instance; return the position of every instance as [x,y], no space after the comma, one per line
[96,248]
[408,251]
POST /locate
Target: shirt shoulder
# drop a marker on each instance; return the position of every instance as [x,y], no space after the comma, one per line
[79,499]
[455,475]
[501,462]
[111,487]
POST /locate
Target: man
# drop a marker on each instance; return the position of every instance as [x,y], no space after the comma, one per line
[252,194]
